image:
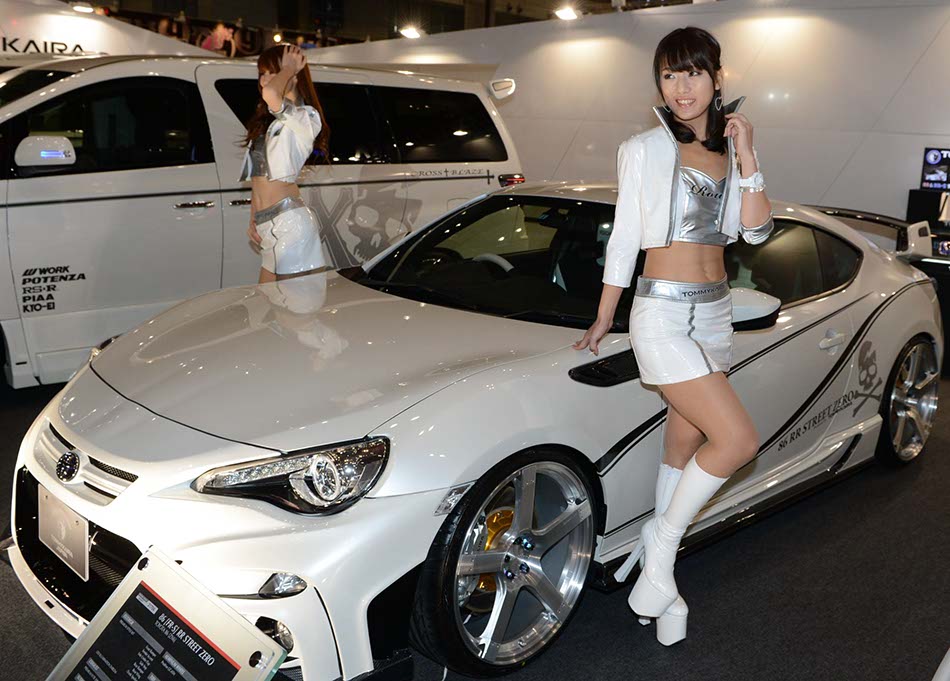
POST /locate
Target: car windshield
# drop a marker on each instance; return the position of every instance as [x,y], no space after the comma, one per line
[524,257]
[26,82]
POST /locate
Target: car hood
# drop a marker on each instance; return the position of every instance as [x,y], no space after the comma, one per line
[307,361]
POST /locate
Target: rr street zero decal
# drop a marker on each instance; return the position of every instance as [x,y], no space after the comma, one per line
[40,285]
[869,381]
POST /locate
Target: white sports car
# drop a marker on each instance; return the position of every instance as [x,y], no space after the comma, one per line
[412,453]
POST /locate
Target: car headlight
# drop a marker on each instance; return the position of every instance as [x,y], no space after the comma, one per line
[324,480]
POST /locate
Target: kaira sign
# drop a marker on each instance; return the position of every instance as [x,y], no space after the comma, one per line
[20,45]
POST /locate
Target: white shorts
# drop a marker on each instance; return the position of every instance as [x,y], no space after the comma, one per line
[680,330]
[290,237]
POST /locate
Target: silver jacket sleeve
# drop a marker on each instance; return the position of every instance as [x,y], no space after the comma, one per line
[756,235]
[290,140]
[623,247]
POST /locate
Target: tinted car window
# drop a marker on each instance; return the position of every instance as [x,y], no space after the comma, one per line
[24,83]
[786,266]
[532,258]
[355,134]
[433,126]
[123,124]
[839,260]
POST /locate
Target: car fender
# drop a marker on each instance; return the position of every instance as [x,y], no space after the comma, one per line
[456,435]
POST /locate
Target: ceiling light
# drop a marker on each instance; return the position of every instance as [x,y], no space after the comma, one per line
[566,13]
[460,133]
[278,37]
[83,7]
[411,32]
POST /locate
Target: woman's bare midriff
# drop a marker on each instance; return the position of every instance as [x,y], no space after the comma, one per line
[265,193]
[683,261]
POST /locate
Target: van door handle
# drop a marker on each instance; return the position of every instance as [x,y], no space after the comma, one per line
[831,339]
[194,204]
[240,202]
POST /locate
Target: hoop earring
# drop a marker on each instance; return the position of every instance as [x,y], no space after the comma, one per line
[717,102]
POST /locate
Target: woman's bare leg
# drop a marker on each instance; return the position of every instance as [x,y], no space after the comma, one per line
[711,405]
[681,439]
[266,276]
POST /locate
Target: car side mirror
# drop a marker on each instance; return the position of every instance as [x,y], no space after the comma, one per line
[753,310]
[45,150]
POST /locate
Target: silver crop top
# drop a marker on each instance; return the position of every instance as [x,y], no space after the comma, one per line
[257,159]
[703,196]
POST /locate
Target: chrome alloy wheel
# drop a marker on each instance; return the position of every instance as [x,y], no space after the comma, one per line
[914,401]
[523,563]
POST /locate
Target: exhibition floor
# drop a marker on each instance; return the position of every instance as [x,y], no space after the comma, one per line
[848,584]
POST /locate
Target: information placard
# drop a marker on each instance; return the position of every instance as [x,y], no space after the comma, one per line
[161,624]
[935,169]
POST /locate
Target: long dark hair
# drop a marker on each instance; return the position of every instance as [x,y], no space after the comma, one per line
[269,62]
[683,50]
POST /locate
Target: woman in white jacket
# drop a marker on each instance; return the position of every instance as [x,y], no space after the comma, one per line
[671,204]
[286,132]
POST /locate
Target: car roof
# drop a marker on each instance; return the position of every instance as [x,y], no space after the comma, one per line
[86,62]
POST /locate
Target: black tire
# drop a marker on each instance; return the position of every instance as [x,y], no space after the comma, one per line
[886,451]
[434,625]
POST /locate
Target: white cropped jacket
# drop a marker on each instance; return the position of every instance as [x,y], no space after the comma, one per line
[288,142]
[649,201]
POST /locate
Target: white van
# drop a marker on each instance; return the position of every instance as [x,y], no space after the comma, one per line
[119,191]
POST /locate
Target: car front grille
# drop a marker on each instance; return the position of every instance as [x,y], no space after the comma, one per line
[110,556]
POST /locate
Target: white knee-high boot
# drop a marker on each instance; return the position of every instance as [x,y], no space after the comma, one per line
[666,479]
[671,625]
[655,590]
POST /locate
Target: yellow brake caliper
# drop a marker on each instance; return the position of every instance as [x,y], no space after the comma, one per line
[496,525]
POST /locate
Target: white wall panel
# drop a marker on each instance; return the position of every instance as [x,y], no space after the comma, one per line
[784,152]
[542,143]
[835,69]
[592,154]
[922,104]
[828,83]
[879,174]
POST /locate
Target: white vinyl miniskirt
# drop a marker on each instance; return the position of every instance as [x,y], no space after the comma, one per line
[290,237]
[681,330]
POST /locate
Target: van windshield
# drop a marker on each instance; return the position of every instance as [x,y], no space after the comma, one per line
[26,82]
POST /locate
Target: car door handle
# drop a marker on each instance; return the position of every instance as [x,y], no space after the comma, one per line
[832,340]
[194,204]
[240,202]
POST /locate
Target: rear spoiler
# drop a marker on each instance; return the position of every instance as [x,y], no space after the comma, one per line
[912,241]
[915,241]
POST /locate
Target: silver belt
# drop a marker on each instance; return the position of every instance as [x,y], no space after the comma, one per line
[282,206]
[683,291]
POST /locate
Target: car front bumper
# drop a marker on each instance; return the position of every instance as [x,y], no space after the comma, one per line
[233,546]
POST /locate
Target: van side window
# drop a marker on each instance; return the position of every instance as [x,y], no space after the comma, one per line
[435,126]
[123,124]
[356,136]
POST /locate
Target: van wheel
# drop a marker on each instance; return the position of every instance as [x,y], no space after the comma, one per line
[909,406]
[508,567]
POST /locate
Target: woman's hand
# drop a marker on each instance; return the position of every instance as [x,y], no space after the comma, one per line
[739,129]
[594,334]
[252,233]
[292,59]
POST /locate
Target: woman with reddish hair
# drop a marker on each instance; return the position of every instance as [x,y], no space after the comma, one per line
[286,132]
